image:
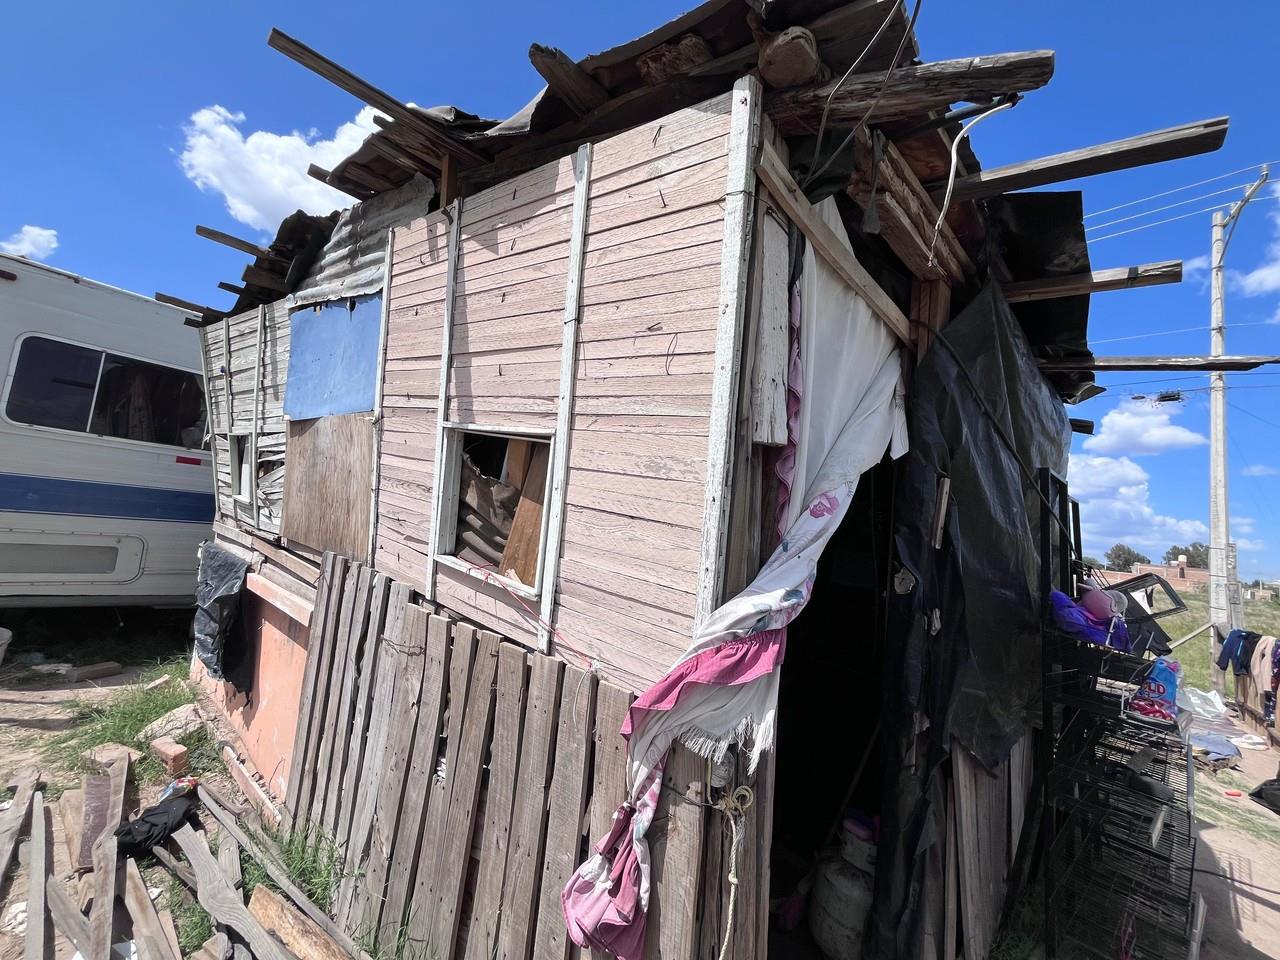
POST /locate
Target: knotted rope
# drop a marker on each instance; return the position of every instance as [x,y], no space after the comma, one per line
[733,805]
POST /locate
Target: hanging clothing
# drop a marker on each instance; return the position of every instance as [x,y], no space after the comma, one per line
[1237,651]
[845,409]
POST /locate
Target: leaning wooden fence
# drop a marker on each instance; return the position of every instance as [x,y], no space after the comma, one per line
[462,777]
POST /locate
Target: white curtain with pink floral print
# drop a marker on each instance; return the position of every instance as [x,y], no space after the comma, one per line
[845,410]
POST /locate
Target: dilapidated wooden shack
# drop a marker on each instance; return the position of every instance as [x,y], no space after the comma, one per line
[496,441]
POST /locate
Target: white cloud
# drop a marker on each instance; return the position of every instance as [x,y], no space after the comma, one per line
[1245,525]
[1260,470]
[35,243]
[1265,277]
[1136,429]
[1115,507]
[1195,268]
[263,176]
[1252,546]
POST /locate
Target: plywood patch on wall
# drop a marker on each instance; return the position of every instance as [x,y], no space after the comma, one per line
[326,493]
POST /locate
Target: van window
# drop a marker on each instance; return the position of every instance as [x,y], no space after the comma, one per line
[71,387]
[145,401]
[53,384]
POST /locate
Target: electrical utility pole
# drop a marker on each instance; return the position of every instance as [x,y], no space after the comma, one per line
[1222,612]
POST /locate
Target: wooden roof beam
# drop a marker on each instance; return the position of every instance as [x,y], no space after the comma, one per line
[365,177]
[911,91]
[264,278]
[235,243]
[362,90]
[1136,364]
[321,174]
[1073,285]
[181,304]
[567,80]
[230,288]
[386,147]
[1188,140]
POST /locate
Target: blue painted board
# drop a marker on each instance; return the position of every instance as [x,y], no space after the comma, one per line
[333,358]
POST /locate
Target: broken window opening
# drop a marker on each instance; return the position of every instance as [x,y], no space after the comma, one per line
[501,489]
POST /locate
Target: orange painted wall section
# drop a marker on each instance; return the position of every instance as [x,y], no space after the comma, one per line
[266,716]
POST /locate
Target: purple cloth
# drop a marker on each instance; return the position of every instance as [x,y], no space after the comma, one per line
[1075,621]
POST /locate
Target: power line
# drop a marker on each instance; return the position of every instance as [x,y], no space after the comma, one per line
[1168,333]
[1183,216]
[1166,193]
[1168,206]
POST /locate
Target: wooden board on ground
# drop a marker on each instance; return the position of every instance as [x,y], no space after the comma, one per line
[104,866]
[223,903]
[148,934]
[326,488]
[96,800]
[301,936]
[67,918]
[36,938]
[12,820]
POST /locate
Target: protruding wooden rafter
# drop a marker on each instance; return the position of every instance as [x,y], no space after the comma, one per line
[196,308]
[1137,364]
[264,278]
[235,243]
[320,173]
[1072,285]
[1187,140]
[566,79]
[230,288]
[436,139]
[911,92]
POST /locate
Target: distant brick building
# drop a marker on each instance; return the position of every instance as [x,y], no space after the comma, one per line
[1180,576]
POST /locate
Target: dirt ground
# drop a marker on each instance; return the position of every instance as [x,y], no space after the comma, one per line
[1239,838]
[30,715]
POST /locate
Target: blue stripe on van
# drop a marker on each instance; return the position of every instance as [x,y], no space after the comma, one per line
[23,493]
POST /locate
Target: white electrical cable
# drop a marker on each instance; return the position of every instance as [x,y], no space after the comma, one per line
[1167,206]
[1166,193]
[951,175]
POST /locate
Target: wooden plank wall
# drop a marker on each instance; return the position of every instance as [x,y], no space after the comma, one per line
[268,395]
[463,777]
[640,424]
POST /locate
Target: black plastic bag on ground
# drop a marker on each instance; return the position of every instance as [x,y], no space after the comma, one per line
[218,587]
[154,825]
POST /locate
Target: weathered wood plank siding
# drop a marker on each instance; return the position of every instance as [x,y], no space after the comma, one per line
[628,580]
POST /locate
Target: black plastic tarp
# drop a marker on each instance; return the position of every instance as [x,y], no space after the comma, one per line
[966,614]
[218,587]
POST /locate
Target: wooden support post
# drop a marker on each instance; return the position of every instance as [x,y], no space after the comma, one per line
[235,243]
[567,80]
[443,476]
[383,324]
[1174,143]
[930,310]
[258,354]
[550,566]
[448,181]
[912,91]
[739,215]
[775,175]
[1075,284]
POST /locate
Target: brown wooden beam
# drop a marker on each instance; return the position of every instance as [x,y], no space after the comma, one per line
[566,79]
[366,178]
[321,174]
[187,305]
[235,243]
[361,89]
[264,278]
[1206,364]
[394,152]
[906,213]
[230,287]
[1118,278]
[911,91]
[1188,140]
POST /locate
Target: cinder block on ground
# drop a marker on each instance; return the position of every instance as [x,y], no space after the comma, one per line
[105,754]
[179,722]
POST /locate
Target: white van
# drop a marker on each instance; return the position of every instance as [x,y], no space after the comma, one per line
[105,488]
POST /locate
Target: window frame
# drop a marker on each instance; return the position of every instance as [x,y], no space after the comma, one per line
[445,521]
[86,432]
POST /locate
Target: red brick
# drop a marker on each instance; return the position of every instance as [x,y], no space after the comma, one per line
[172,754]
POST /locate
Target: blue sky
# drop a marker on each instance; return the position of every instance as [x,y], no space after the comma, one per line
[131,124]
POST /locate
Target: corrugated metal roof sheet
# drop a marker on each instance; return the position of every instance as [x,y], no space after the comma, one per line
[351,263]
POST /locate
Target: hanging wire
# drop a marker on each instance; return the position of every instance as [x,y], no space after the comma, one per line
[1147,226]
[951,175]
[1167,193]
[1168,206]
[1169,333]
[888,74]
